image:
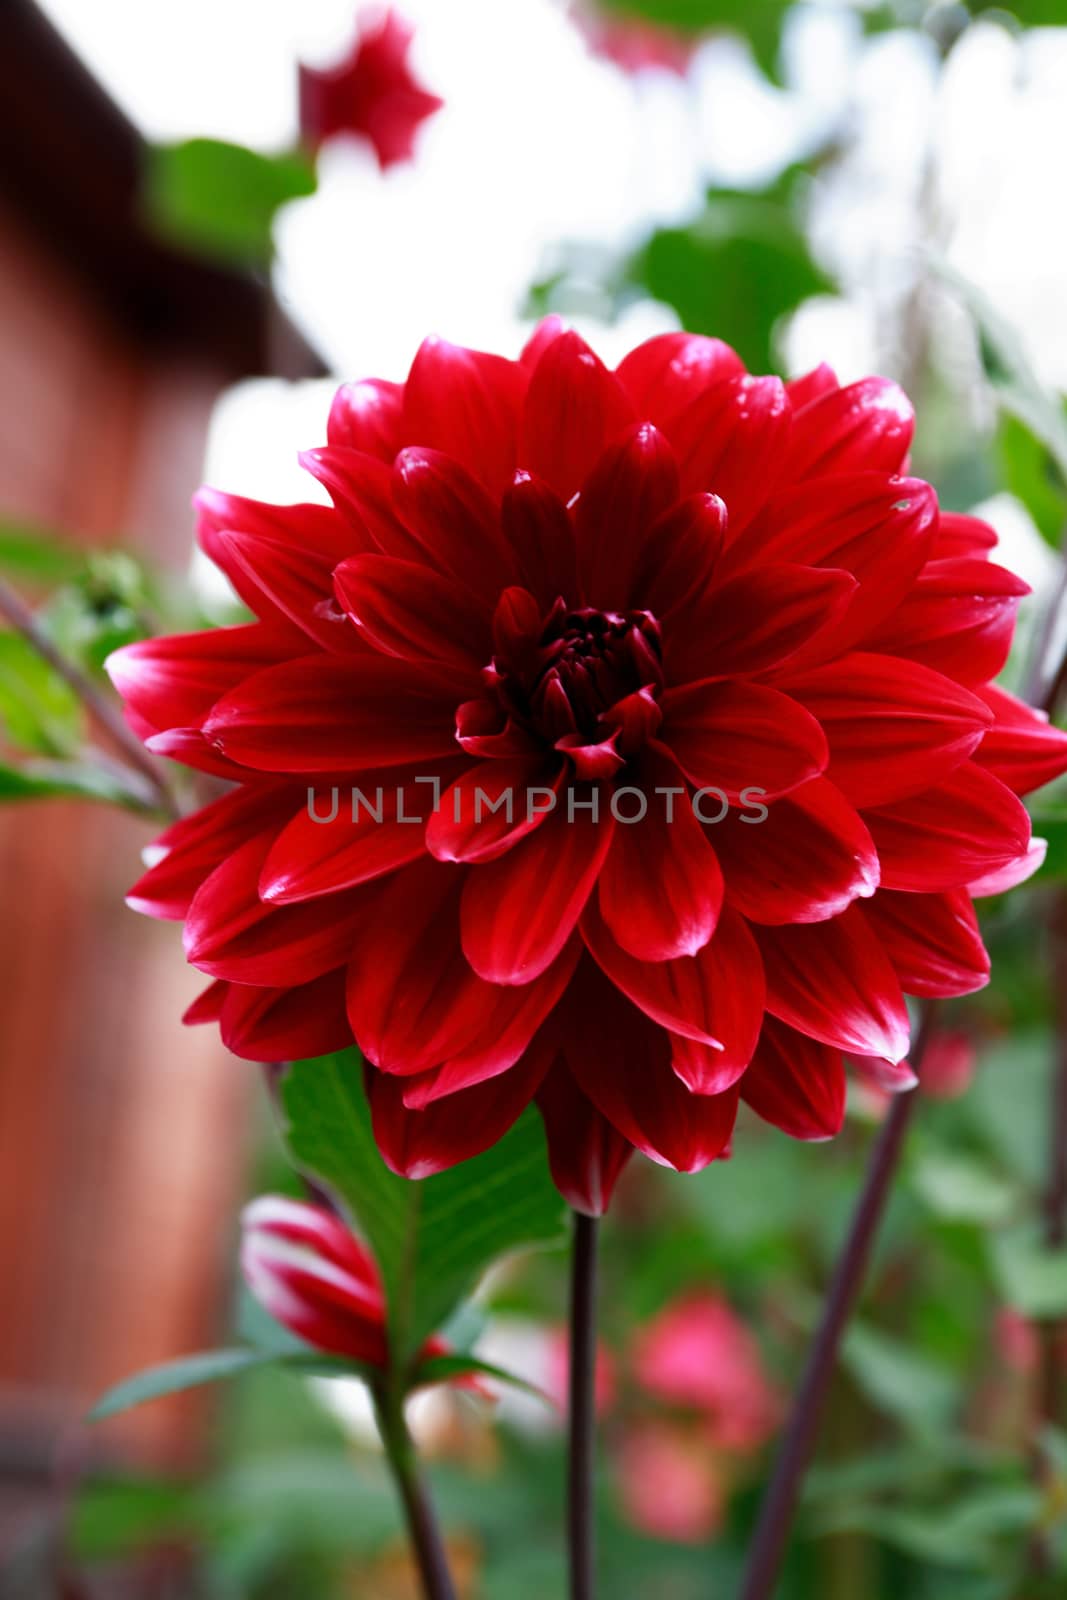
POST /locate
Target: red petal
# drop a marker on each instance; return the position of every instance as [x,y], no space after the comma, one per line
[323,714]
[621,1061]
[1009,876]
[961,830]
[634,482]
[541,535]
[661,885]
[361,488]
[666,374]
[812,386]
[585,1152]
[732,440]
[1022,748]
[189,746]
[519,912]
[193,846]
[894,727]
[367,416]
[754,621]
[880,529]
[293,1024]
[865,427]
[713,999]
[173,682]
[678,560]
[417,1144]
[453,520]
[408,610]
[487,811]
[309,538]
[295,581]
[379,825]
[413,1000]
[466,403]
[735,737]
[575,408]
[805,861]
[509,1033]
[959,618]
[833,981]
[796,1083]
[959,535]
[932,940]
[230,933]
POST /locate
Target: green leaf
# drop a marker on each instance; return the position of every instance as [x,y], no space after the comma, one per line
[441,1369]
[40,554]
[189,1372]
[1031,1277]
[42,780]
[434,1238]
[916,1391]
[735,271]
[1031,475]
[960,1189]
[220,199]
[757,21]
[38,710]
[1017,386]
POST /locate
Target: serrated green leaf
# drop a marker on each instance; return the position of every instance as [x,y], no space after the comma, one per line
[435,1237]
[221,199]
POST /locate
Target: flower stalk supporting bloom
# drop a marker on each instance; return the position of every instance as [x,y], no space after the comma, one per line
[422,1526]
[581,1528]
[315,1277]
[780,1502]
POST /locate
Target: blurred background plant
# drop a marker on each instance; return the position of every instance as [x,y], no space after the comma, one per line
[874,185]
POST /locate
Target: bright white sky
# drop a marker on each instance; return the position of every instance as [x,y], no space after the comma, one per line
[540,143]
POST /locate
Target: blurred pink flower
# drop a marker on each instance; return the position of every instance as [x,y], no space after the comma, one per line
[632,42]
[948,1066]
[1015,1341]
[698,1354]
[371,92]
[668,1483]
[557,1370]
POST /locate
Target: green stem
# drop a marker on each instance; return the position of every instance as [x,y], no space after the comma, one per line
[418,1511]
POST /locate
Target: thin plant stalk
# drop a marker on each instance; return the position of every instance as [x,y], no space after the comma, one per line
[798,1443]
[581,1466]
[99,707]
[426,1542]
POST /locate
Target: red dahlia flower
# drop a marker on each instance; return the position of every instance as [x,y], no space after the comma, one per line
[318,1280]
[731,667]
[371,93]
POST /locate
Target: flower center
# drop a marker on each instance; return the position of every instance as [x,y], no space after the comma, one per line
[563,679]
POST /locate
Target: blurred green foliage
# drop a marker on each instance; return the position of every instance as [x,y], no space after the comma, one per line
[220,199]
